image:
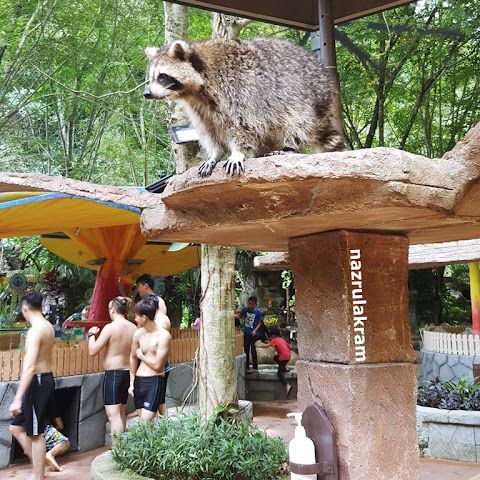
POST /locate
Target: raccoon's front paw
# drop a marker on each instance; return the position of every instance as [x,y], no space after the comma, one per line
[234,166]
[206,168]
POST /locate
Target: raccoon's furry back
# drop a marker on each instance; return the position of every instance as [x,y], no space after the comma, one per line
[268,94]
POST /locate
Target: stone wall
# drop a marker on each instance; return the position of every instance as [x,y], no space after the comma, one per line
[91,415]
[450,434]
[264,385]
[448,367]
[266,286]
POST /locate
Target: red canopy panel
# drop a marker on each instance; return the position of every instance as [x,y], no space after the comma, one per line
[302,14]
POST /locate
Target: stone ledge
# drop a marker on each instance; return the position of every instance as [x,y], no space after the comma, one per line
[37,182]
[269,373]
[379,189]
[438,415]
[449,434]
[104,468]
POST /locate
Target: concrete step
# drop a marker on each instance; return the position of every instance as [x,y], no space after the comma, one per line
[264,385]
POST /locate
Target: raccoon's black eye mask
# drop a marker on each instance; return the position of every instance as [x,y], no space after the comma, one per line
[168,82]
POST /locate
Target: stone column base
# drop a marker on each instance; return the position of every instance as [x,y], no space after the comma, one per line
[372,408]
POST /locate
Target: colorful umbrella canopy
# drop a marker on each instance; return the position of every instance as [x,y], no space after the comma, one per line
[102,236]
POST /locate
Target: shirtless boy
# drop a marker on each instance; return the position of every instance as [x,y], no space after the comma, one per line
[30,404]
[116,337]
[145,284]
[164,322]
[150,345]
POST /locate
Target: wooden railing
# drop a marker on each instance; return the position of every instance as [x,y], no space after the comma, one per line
[73,358]
[455,344]
[9,340]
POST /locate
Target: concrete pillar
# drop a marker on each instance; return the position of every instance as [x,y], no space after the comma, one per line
[355,348]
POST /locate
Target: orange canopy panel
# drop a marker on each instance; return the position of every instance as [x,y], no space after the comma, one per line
[153,257]
[31,213]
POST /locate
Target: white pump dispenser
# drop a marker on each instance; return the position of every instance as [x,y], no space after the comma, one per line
[301,449]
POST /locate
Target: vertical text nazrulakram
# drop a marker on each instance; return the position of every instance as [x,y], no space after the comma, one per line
[358,305]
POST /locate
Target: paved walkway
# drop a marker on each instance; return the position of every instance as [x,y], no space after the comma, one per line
[273,418]
[268,416]
[76,467]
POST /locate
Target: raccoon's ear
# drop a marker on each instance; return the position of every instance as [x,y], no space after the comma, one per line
[150,52]
[179,50]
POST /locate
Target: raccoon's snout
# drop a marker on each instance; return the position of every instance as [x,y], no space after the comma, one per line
[147,93]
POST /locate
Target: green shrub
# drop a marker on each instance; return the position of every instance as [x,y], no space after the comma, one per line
[187,449]
[461,395]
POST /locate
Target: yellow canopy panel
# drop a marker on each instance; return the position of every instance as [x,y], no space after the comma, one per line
[159,261]
[153,257]
[33,214]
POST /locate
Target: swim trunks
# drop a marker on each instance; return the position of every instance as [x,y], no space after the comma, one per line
[115,387]
[147,392]
[53,437]
[34,415]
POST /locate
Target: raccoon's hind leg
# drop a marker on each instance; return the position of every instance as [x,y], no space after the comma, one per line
[234,164]
[330,141]
[285,151]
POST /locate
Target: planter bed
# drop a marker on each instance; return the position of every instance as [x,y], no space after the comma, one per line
[450,434]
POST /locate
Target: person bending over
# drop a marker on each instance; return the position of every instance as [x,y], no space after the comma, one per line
[282,357]
[30,404]
[150,345]
[116,338]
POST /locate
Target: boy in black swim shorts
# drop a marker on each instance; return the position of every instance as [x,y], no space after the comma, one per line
[150,345]
[34,414]
[30,404]
[116,339]
[115,387]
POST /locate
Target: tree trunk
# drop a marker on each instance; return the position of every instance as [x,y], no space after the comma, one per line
[217,375]
[173,301]
[176,28]
[227,27]
[437,294]
[216,370]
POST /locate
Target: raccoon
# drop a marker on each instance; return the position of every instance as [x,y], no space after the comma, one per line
[246,97]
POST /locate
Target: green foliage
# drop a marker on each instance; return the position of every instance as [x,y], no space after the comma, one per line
[461,395]
[287,279]
[456,305]
[182,296]
[71,76]
[418,68]
[58,279]
[187,449]
[451,292]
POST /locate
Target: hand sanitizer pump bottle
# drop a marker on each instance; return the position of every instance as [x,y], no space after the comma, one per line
[301,449]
